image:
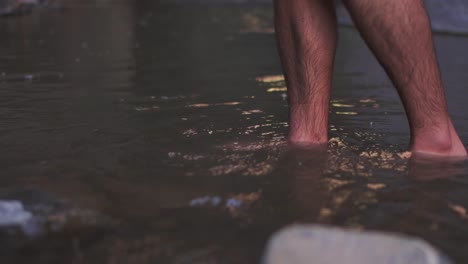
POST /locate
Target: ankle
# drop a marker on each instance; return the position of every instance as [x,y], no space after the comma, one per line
[307,124]
[435,144]
[440,142]
[306,138]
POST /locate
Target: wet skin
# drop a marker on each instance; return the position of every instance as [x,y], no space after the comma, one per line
[398,33]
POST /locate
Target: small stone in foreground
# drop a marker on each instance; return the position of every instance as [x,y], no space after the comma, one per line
[312,244]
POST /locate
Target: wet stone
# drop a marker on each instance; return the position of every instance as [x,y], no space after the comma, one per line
[323,245]
[33,213]
[13,213]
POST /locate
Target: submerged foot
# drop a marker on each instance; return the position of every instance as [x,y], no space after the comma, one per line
[304,140]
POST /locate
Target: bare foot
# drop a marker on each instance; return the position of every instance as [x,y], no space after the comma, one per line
[428,168]
[306,145]
[306,140]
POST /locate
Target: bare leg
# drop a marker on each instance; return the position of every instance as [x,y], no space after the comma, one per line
[399,34]
[306,35]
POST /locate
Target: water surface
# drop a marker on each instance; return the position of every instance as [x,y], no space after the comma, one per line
[154,133]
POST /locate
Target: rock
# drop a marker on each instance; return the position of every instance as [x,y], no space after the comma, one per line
[326,245]
[13,213]
[34,213]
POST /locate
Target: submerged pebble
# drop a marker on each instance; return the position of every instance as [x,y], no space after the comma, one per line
[206,200]
[13,213]
[233,202]
[33,213]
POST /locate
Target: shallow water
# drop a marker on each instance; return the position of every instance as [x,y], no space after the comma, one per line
[447,17]
[151,133]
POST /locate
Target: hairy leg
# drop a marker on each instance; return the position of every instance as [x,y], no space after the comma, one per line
[306,36]
[399,34]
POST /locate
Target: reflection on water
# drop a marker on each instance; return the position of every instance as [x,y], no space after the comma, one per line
[155,133]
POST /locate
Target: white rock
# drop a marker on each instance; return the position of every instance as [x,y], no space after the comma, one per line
[325,245]
[13,213]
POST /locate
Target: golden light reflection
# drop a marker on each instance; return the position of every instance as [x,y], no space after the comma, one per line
[325,213]
[342,105]
[367,101]
[333,184]
[404,155]
[270,78]
[376,186]
[346,113]
[342,158]
[253,111]
[200,105]
[277,89]
[460,210]
[230,103]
